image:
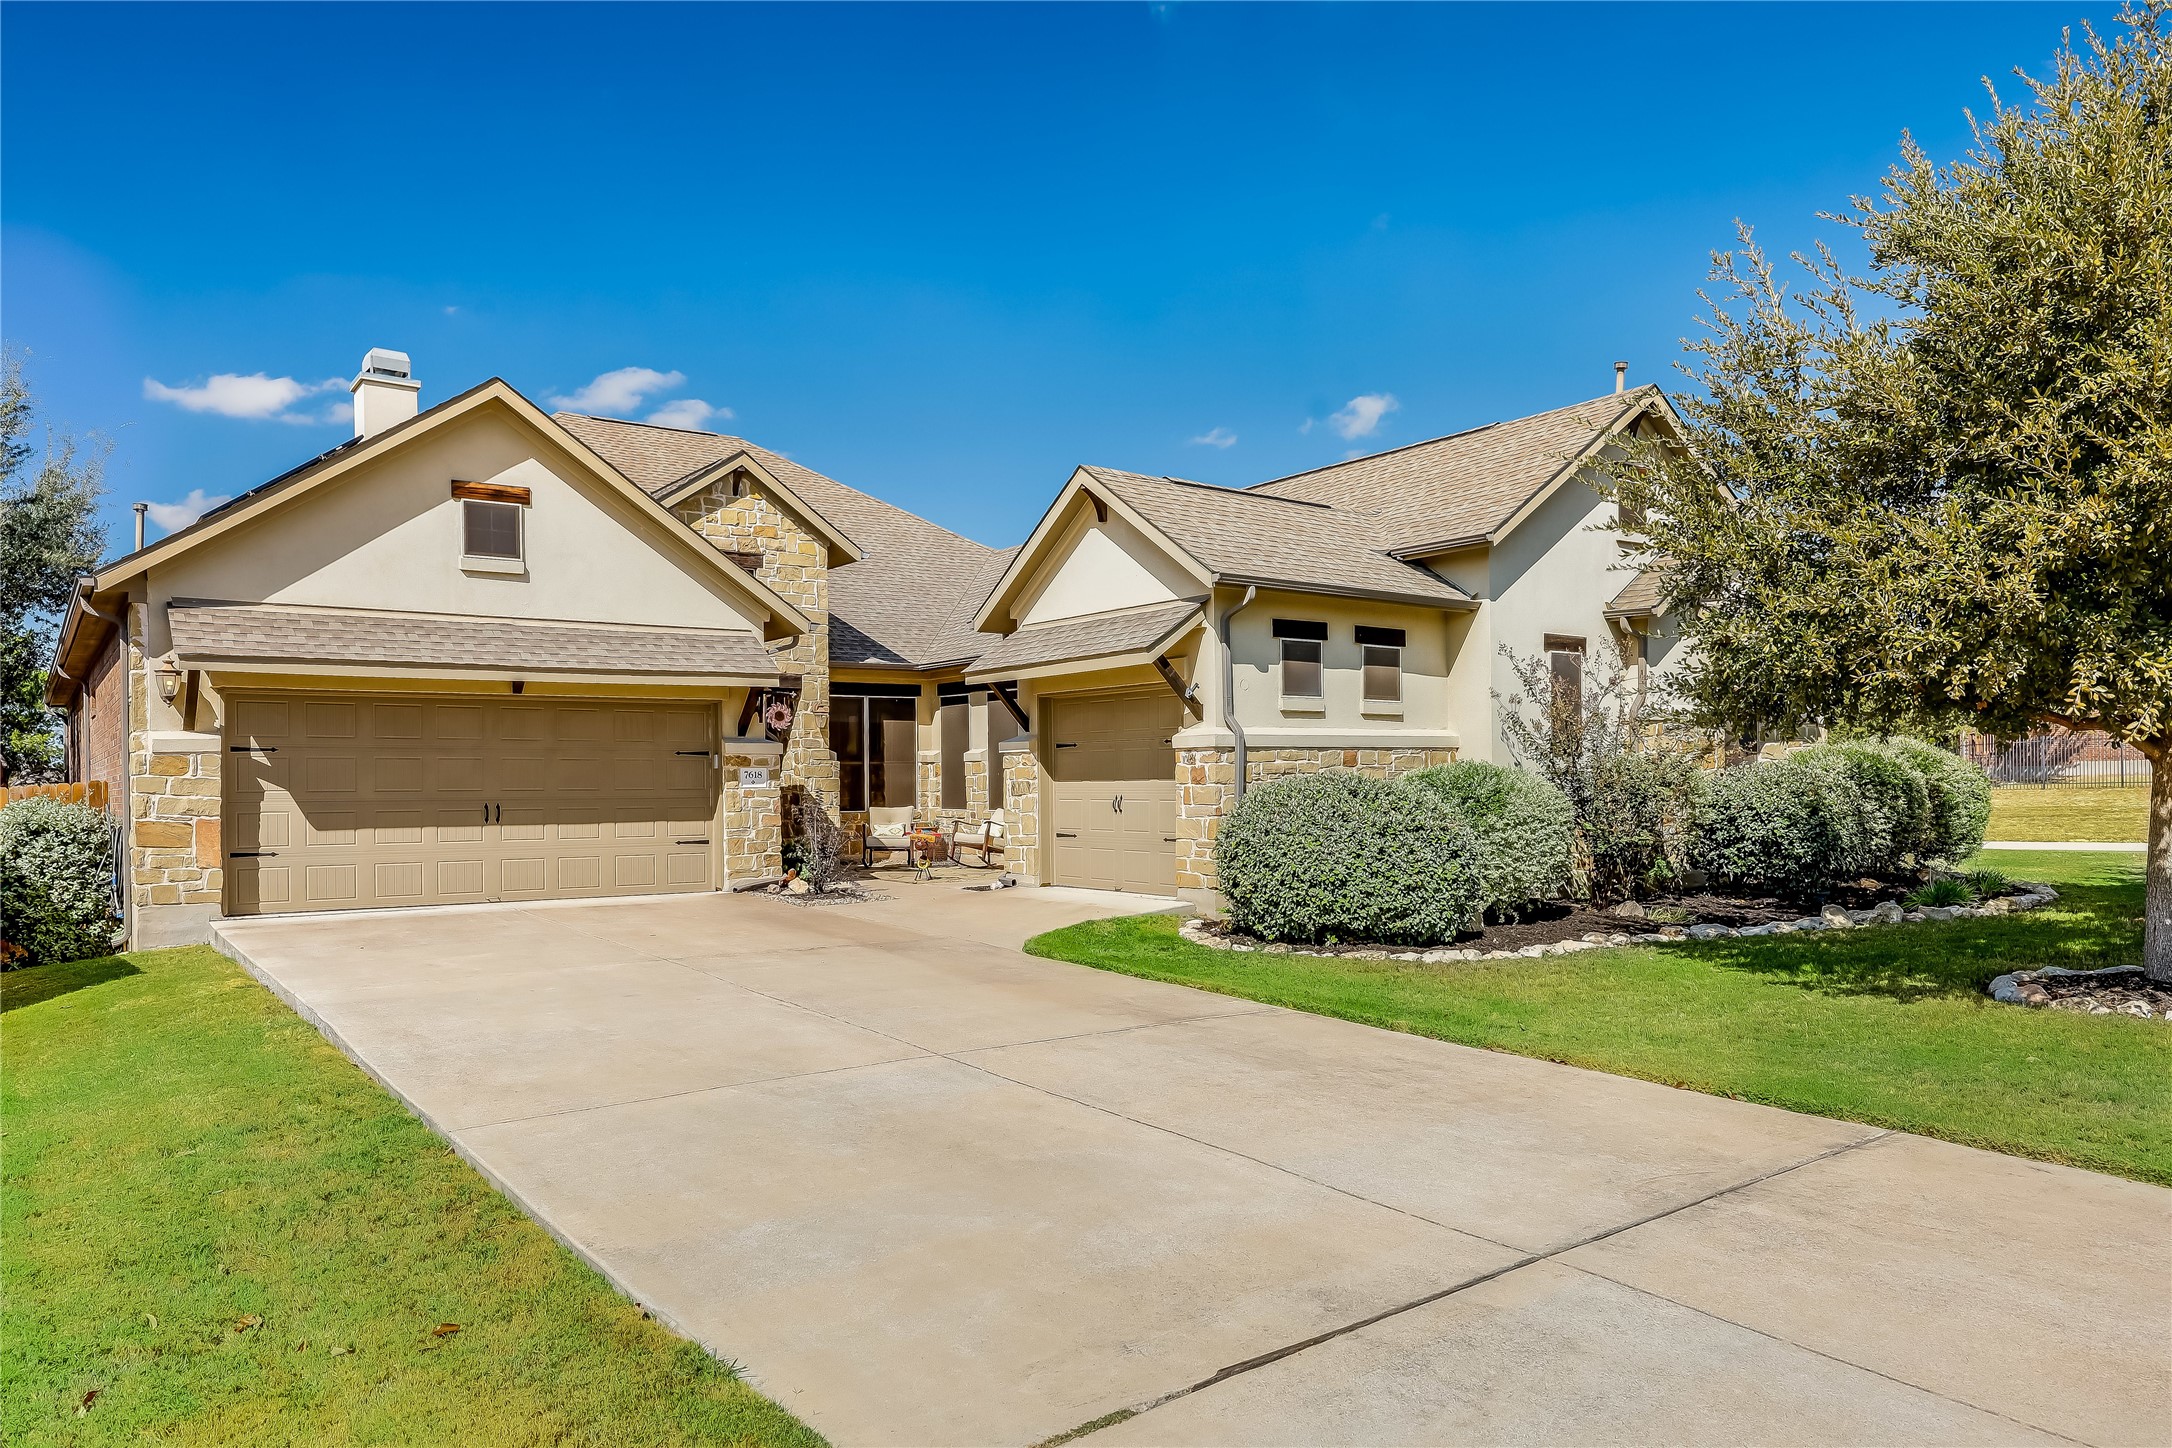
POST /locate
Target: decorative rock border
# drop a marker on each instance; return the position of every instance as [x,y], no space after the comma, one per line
[2021,988]
[1833,917]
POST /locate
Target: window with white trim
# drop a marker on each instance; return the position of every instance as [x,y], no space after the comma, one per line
[491,530]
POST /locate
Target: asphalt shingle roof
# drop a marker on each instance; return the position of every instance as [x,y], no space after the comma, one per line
[1463,486]
[1085,638]
[1254,537]
[210,629]
[1640,596]
[908,602]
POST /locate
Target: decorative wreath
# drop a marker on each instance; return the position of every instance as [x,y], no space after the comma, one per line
[777,714]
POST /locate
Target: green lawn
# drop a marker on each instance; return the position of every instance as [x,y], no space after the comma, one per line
[1886,1026]
[2102,816]
[223,1229]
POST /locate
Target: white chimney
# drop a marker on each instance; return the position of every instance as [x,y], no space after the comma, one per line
[1621,375]
[385,392]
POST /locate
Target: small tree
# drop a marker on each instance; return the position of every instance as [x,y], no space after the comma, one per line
[821,843]
[49,534]
[1594,740]
[1942,493]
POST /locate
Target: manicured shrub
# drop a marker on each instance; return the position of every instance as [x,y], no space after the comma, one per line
[56,882]
[1525,828]
[1960,801]
[1889,801]
[1778,823]
[1341,856]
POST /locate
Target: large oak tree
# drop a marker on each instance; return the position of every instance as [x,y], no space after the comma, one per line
[1940,492]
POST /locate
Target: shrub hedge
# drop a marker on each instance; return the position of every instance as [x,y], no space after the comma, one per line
[56,882]
[1526,830]
[1343,856]
[1836,811]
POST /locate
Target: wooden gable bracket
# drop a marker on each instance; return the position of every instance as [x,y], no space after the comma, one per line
[1187,694]
[1008,693]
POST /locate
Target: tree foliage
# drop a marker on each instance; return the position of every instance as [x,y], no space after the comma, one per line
[49,534]
[1941,492]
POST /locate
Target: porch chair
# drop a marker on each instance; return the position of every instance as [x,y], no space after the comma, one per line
[985,839]
[889,831]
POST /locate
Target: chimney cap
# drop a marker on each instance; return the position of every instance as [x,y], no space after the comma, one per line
[383,362]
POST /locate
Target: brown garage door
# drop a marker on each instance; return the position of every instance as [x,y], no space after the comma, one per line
[1113,775]
[344,801]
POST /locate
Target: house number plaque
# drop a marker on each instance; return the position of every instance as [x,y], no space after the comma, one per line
[754,778]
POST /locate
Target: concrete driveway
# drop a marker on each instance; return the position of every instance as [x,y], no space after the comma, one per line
[928,1190]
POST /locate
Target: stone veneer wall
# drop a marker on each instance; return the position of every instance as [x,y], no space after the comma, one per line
[174,794]
[753,817]
[1022,809]
[1207,787]
[796,564]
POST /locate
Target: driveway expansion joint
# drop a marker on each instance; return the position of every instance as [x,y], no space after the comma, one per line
[1529,1260]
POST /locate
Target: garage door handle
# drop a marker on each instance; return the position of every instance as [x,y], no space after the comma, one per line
[690,842]
[1065,835]
[250,854]
[697,753]
[252,749]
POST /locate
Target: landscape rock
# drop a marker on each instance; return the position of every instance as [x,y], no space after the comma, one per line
[1628,910]
[1710,932]
[1998,906]
[1886,912]
[1836,918]
[1937,912]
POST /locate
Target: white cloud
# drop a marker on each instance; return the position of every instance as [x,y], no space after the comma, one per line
[1360,416]
[1216,437]
[1305,428]
[171,517]
[621,391]
[688,412]
[256,396]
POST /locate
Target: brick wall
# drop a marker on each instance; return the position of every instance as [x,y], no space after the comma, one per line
[101,724]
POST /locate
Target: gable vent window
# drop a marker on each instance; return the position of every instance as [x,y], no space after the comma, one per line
[1303,642]
[491,531]
[1381,654]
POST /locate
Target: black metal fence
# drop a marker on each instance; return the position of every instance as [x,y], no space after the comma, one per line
[2059,761]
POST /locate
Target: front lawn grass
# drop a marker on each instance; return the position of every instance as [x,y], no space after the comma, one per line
[2088,815]
[218,1230]
[1887,1026]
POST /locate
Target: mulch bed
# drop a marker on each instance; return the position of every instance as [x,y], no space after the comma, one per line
[1554,923]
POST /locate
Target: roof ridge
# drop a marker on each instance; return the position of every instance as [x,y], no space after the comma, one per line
[1227,492]
[637,422]
[1451,436]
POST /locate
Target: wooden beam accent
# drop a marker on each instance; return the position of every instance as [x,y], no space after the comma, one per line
[1009,695]
[1187,694]
[491,492]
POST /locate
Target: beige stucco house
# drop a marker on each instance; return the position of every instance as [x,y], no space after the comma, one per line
[480,652]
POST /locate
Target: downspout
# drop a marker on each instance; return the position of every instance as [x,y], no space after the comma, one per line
[1229,685]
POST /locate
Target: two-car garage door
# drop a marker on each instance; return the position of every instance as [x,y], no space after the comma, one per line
[339,801]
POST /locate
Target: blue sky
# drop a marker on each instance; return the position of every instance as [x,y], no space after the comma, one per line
[940,253]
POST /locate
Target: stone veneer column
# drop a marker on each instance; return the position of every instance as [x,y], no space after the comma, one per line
[1022,804]
[752,815]
[795,563]
[1206,790]
[176,863]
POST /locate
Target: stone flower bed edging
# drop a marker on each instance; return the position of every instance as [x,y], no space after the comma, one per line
[2117,990]
[1201,932]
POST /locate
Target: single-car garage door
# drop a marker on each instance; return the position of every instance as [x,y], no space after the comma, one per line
[344,801]
[1112,774]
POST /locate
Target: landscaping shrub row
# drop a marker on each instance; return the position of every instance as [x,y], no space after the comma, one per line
[1342,856]
[56,882]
